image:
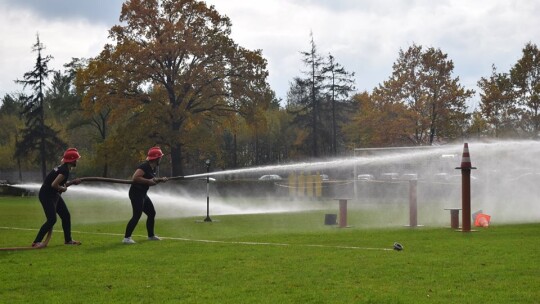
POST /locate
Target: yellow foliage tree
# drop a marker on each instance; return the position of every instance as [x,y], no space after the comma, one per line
[173,65]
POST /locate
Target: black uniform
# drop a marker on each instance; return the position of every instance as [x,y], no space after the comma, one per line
[52,203]
[140,202]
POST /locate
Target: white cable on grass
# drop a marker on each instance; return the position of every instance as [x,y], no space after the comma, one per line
[224,242]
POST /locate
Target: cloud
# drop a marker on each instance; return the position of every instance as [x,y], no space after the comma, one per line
[63,40]
[364,36]
[93,11]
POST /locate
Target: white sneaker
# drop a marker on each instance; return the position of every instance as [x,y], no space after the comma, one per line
[154,238]
[128,240]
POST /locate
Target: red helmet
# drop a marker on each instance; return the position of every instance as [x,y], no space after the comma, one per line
[70,155]
[154,153]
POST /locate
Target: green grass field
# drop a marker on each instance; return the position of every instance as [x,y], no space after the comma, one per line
[262,258]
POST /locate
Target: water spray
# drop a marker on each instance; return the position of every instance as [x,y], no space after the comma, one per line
[506,187]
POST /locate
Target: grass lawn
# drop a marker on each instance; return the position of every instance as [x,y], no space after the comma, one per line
[262,258]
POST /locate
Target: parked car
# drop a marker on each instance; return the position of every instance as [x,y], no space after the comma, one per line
[409,176]
[457,177]
[446,177]
[324,177]
[270,177]
[441,176]
[390,176]
[365,177]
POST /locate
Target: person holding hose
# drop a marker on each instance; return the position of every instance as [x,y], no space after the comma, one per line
[50,198]
[143,178]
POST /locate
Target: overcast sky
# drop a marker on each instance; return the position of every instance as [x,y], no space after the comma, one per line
[364,36]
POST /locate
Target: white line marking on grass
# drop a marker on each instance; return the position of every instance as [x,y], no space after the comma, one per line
[219,242]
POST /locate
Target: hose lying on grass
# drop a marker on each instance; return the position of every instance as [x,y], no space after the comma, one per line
[43,244]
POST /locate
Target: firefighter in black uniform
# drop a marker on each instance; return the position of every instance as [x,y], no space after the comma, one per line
[50,197]
[143,178]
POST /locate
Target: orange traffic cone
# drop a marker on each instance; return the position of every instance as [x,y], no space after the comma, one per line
[482,220]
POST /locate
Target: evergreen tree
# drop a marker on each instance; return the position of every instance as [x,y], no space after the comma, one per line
[305,98]
[318,100]
[10,105]
[339,84]
[37,136]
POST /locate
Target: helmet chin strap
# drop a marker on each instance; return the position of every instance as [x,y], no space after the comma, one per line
[156,167]
[71,164]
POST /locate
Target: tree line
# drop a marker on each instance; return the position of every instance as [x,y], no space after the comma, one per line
[174,77]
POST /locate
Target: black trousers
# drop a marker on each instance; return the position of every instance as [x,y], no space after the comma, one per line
[53,204]
[140,202]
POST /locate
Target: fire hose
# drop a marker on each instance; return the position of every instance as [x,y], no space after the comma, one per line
[115,180]
[82,179]
[43,244]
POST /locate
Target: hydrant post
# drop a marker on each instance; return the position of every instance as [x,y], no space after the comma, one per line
[413,207]
[466,189]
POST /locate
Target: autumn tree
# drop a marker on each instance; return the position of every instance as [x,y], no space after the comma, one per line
[9,133]
[37,136]
[422,80]
[177,58]
[498,105]
[479,125]
[95,82]
[378,122]
[525,76]
[269,144]
[250,97]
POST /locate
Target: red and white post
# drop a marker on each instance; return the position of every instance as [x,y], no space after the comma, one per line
[466,168]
